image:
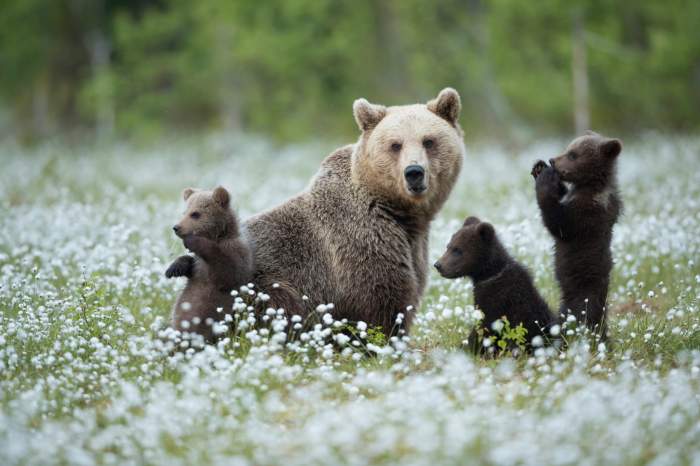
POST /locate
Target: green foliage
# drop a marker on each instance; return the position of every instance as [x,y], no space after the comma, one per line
[291,70]
[502,338]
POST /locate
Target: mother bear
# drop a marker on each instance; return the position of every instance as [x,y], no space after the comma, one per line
[357,237]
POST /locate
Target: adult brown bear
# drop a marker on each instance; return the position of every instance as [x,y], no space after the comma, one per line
[357,237]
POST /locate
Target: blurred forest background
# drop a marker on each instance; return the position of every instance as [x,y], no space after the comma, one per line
[289,70]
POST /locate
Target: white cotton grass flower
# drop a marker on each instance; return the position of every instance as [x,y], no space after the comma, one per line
[497,325]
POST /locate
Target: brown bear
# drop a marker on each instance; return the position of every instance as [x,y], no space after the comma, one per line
[580,203]
[357,237]
[222,262]
[502,286]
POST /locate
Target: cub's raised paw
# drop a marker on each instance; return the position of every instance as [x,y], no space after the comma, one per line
[182,267]
[537,168]
[549,182]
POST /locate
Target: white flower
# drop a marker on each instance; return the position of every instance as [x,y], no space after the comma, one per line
[342,339]
[497,325]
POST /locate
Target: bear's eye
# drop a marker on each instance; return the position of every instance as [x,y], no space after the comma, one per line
[457,252]
[195,215]
[572,155]
[396,147]
[428,143]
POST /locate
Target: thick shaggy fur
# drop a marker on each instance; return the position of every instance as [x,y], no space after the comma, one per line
[222,262]
[358,236]
[502,286]
[581,217]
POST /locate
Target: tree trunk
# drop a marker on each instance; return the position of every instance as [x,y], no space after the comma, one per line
[579,70]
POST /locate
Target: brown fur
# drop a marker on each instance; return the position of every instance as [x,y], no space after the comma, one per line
[222,261]
[358,236]
[581,219]
[502,287]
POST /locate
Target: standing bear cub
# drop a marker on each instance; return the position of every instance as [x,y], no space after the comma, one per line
[222,262]
[502,287]
[579,201]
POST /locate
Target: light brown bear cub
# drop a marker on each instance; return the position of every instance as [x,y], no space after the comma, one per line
[222,262]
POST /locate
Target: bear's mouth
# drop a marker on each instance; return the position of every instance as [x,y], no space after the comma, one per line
[417,190]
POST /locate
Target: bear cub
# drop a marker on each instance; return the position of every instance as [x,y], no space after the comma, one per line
[579,202]
[222,262]
[502,286]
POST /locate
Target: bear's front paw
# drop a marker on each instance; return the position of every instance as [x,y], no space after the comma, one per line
[549,177]
[538,167]
[182,267]
[549,183]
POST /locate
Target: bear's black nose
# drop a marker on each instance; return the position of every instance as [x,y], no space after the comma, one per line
[438,266]
[414,175]
[176,228]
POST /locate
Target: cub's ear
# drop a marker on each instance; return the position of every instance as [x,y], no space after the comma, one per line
[221,196]
[187,192]
[590,132]
[367,115]
[470,221]
[446,105]
[486,231]
[611,148]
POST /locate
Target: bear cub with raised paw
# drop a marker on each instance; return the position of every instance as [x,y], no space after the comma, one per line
[222,262]
[579,201]
[502,286]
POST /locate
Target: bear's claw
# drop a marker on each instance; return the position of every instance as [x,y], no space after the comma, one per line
[537,168]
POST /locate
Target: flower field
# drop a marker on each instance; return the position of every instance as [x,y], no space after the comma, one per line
[87,375]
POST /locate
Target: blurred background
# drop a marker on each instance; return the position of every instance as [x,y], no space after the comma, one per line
[289,70]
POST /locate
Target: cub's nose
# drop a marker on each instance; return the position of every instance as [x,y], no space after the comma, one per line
[176,228]
[438,266]
[414,175]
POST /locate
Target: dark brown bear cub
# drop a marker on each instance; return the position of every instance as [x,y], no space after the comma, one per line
[222,262]
[580,204]
[502,287]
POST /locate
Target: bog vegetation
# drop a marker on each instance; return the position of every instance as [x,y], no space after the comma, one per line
[86,375]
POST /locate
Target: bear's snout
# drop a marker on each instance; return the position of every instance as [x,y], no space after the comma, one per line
[177,229]
[415,178]
[438,266]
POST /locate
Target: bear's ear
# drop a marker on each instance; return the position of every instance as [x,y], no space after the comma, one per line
[367,115]
[221,196]
[486,231]
[446,105]
[470,221]
[611,148]
[590,132]
[187,192]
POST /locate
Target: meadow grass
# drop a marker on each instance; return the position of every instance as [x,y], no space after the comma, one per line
[87,377]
